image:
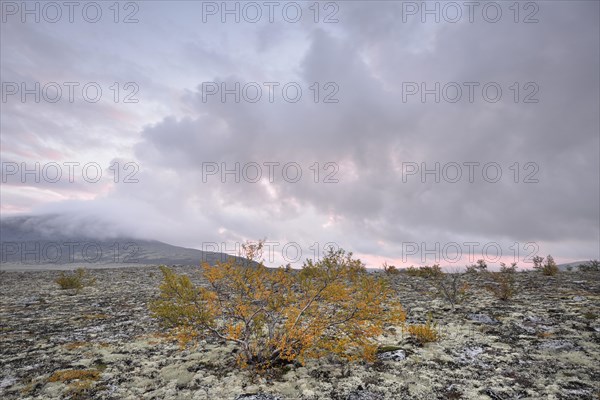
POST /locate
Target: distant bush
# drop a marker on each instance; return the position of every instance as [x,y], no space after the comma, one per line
[76,280]
[592,265]
[481,266]
[503,282]
[390,269]
[451,287]
[424,333]
[329,307]
[426,271]
[547,268]
[508,269]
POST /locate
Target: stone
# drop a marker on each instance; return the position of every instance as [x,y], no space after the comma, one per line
[395,355]
[483,319]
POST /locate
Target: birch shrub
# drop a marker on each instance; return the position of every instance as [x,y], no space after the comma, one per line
[274,317]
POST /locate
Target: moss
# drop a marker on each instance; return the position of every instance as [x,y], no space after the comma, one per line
[75,345]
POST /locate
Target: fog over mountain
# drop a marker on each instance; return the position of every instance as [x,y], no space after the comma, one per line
[44,242]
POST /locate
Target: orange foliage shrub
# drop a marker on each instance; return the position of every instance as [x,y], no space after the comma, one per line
[276,316]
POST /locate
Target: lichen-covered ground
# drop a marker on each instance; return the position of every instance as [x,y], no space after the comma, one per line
[544,343]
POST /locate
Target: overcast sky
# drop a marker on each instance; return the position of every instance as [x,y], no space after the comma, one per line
[358,97]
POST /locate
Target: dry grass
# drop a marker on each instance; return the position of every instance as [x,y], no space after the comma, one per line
[545,335]
[68,375]
[76,345]
[424,333]
[80,381]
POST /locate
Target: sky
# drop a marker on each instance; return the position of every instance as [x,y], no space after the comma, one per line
[410,133]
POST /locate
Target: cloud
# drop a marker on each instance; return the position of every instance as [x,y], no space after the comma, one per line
[365,141]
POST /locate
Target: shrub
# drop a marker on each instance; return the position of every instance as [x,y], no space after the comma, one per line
[481,266]
[390,269]
[548,268]
[412,271]
[589,315]
[506,269]
[424,333]
[452,288]
[592,265]
[426,271]
[274,317]
[503,282]
[76,280]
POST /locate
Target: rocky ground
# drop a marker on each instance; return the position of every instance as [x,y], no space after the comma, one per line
[544,343]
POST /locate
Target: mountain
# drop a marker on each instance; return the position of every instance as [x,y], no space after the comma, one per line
[573,265]
[41,242]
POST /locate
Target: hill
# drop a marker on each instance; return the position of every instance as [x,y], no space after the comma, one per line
[40,242]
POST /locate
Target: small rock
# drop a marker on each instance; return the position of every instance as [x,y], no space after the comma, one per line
[252,390]
[473,352]
[7,381]
[396,355]
[258,396]
[483,319]
[364,395]
[557,345]
[533,319]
